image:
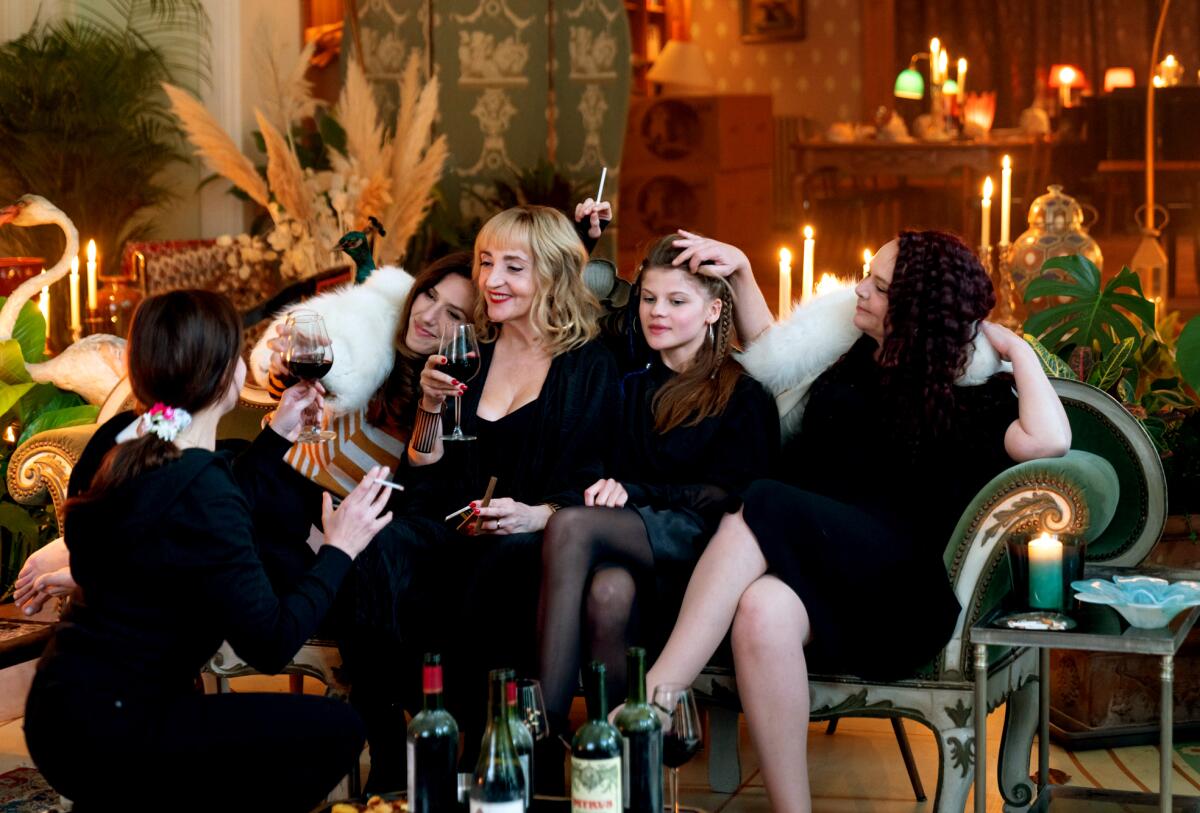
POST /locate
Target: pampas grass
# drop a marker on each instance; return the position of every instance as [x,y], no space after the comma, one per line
[287,94]
[218,150]
[284,173]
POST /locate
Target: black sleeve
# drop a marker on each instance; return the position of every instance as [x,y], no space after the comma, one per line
[586,427]
[102,440]
[252,466]
[266,630]
[583,226]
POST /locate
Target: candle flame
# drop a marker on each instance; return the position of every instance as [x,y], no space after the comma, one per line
[91,251]
[935,45]
[867,255]
[962,65]
[1006,163]
[987,188]
[785,256]
[808,232]
[1170,60]
[1044,539]
[828,283]
[10,434]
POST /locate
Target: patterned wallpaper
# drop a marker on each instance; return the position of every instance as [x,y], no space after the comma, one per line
[819,77]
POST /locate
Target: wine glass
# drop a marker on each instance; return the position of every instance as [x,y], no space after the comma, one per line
[309,357]
[531,707]
[461,350]
[681,731]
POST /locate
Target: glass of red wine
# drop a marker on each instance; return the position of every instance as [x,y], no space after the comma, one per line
[309,357]
[461,350]
[681,731]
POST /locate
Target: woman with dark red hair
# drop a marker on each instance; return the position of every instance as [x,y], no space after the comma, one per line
[897,435]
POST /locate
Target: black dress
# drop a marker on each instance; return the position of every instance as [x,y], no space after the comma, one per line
[858,527]
[167,569]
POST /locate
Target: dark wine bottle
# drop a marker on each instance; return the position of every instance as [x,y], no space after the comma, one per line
[499,784]
[596,753]
[522,739]
[641,741]
[432,748]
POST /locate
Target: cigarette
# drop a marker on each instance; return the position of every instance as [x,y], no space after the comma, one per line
[600,191]
[456,513]
[388,483]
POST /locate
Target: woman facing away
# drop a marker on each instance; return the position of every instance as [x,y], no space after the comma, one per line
[161,548]
[695,431]
[541,408]
[895,439]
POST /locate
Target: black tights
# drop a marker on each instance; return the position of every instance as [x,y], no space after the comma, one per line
[609,548]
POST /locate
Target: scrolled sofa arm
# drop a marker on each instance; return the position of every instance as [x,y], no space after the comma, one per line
[1074,494]
[40,468]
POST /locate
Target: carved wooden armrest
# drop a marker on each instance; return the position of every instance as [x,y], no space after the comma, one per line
[40,468]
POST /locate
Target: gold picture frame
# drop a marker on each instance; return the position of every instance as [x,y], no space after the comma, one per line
[771,20]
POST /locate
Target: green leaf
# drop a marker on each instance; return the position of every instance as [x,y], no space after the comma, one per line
[1125,392]
[12,363]
[1081,361]
[1052,364]
[10,394]
[1095,316]
[1106,373]
[1187,353]
[29,331]
[58,418]
[45,397]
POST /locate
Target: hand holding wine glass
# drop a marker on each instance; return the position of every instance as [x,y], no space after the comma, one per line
[460,349]
[681,732]
[309,357]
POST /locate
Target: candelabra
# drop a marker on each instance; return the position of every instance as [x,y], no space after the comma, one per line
[997,262]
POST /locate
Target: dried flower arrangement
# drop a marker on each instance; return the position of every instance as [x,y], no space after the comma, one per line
[375,170]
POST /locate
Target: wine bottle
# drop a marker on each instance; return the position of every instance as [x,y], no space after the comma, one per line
[432,748]
[641,741]
[596,753]
[522,739]
[498,785]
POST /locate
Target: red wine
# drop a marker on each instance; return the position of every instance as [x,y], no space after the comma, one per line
[309,369]
[432,749]
[462,369]
[677,751]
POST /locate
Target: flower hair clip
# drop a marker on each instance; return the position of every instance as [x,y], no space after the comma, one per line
[164,421]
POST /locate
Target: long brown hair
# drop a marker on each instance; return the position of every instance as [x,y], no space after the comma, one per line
[393,406]
[705,387]
[183,351]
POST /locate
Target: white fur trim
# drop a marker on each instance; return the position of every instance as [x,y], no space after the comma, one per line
[362,322]
[790,355]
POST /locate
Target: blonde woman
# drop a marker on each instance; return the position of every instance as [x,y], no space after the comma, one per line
[541,408]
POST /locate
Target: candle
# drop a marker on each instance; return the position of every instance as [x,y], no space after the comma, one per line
[91,274]
[866,262]
[985,238]
[1005,199]
[806,283]
[1045,573]
[785,283]
[44,304]
[943,66]
[935,46]
[76,324]
[962,81]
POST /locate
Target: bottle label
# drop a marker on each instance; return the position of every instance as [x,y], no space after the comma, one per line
[596,785]
[412,772]
[515,806]
[528,779]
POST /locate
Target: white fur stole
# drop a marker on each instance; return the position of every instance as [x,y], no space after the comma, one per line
[790,355]
[362,322]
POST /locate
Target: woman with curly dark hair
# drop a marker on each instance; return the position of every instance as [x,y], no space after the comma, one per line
[897,436]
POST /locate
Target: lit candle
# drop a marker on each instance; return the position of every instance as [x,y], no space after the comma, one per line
[1045,573]
[866,262]
[785,283]
[1005,198]
[935,47]
[943,66]
[806,280]
[91,274]
[962,81]
[985,238]
[76,324]
[44,304]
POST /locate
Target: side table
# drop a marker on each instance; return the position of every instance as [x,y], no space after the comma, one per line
[1100,629]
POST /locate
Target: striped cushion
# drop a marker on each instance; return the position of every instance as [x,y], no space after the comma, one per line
[339,463]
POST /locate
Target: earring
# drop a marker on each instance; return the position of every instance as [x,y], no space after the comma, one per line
[711,337]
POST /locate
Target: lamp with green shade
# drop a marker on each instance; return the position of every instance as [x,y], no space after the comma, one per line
[909,84]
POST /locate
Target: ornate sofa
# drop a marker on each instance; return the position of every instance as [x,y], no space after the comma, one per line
[1109,487]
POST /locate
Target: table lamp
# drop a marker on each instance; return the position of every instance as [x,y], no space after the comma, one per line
[1066,78]
[1118,78]
[681,69]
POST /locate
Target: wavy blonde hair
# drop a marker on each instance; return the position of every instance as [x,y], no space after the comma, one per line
[564,313]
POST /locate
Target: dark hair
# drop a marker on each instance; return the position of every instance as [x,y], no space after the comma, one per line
[183,351]
[705,387]
[393,406]
[938,294]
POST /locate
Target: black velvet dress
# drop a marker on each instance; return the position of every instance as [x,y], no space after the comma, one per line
[858,528]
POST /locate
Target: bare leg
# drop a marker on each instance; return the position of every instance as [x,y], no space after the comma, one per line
[769,633]
[610,607]
[730,564]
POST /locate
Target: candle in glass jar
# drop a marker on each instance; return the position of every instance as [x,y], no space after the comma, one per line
[1005,199]
[1045,573]
[91,275]
[985,237]
[785,283]
[76,322]
[806,279]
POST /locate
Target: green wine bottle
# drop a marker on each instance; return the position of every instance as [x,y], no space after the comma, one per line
[641,741]
[522,739]
[432,748]
[499,784]
[596,753]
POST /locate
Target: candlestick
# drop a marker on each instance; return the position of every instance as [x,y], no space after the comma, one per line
[76,323]
[962,81]
[785,283]
[91,275]
[866,262]
[986,227]
[1045,573]
[806,280]
[1005,199]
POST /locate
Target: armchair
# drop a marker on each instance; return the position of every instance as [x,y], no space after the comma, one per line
[1109,487]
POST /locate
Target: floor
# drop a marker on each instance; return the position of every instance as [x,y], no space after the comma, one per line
[857,769]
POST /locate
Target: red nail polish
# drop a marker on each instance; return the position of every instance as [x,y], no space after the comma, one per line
[454,381]
[473,504]
[474,510]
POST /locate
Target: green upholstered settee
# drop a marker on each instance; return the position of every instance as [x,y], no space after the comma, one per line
[1110,487]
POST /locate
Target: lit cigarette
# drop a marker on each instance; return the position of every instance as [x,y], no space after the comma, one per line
[390,484]
[600,191]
